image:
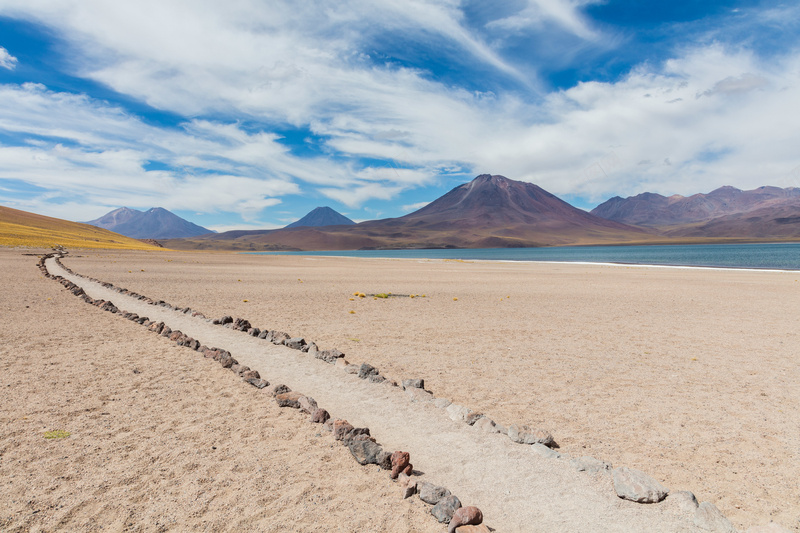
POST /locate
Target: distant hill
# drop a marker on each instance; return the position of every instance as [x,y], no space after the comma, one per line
[488,212]
[650,209]
[155,223]
[322,216]
[20,228]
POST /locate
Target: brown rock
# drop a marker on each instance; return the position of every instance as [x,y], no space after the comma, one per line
[289,399]
[276,388]
[308,404]
[341,428]
[400,460]
[247,374]
[465,516]
[320,416]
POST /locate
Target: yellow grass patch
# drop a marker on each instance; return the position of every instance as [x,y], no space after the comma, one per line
[20,228]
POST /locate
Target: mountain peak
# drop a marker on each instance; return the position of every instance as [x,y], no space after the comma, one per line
[322,216]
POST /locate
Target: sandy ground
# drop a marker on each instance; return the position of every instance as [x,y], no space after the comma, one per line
[689,375]
[159,441]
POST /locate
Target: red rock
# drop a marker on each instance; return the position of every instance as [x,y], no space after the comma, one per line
[400,461]
[341,428]
[465,516]
[320,416]
[289,399]
[307,404]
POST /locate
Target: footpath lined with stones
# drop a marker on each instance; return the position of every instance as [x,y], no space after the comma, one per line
[521,488]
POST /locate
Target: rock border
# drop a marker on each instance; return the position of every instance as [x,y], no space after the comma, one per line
[363,447]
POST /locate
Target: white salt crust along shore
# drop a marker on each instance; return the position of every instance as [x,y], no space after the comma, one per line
[502,478]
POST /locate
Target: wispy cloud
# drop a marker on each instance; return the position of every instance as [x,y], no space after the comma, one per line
[7,61]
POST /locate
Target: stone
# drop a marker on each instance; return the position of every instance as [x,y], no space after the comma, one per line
[526,435]
[311,348]
[351,369]
[320,416]
[257,383]
[465,516]
[254,332]
[430,493]
[473,417]
[684,500]
[248,374]
[413,384]
[377,378]
[175,335]
[708,517]
[356,434]
[418,395]
[473,529]
[329,356]
[486,425]
[166,332]
[441,403]
[459,413]
[636,486]
[241,324]
[366,452]
[279,337]
[289,399]
[263,334]
[238,369]
[194,344]
[409,486]
[296,343]
[340,428]
[589,464]
[308,404]
[446,508]
[226,360]
[544,451]
[366,370]
[277,388]
[399,461]
[341,363]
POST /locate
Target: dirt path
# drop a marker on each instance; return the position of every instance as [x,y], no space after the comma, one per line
[517,489]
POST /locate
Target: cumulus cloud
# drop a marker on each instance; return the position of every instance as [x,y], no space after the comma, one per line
[7,61]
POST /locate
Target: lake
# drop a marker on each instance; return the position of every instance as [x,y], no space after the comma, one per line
[774,256]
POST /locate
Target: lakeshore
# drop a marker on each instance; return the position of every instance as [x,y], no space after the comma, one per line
[690,376]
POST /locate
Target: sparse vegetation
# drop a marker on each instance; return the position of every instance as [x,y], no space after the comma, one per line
[56,434]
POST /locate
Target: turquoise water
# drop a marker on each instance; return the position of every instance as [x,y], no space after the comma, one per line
[782,256]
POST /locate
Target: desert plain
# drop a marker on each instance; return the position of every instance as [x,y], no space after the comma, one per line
[690,375]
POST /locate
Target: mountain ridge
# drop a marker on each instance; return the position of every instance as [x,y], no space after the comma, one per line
[155,223]
[321,217]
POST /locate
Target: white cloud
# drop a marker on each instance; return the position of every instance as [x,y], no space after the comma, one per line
[414,207]
[306,63]
[7,61]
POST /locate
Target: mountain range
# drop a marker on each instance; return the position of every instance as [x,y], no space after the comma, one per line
[488,212]
[727,212]
[155,223]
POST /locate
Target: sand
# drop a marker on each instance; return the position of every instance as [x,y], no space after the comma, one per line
[688,375]
[159,441]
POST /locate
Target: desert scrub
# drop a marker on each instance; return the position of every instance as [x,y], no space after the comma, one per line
[57,434]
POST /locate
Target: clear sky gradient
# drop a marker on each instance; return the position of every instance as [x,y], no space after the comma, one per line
[248,114]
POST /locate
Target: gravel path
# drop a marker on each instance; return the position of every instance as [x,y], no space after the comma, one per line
[516,489]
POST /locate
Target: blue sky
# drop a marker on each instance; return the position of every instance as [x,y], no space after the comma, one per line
[248,114]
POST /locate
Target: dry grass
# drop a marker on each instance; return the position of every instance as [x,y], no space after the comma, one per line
[20,228]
